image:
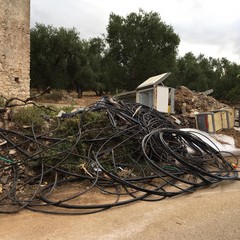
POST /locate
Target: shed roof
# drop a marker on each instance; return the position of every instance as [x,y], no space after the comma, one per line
[153,81]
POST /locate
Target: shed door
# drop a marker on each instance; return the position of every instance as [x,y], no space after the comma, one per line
[162,99]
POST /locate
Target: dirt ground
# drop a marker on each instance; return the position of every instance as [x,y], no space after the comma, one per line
[210,213]
[87,99]
[71,99]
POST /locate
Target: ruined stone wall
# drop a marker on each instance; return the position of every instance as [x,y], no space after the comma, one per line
[15,48]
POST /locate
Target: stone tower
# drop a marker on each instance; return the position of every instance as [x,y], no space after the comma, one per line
[15,48]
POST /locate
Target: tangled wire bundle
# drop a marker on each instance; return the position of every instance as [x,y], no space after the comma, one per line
[129,152]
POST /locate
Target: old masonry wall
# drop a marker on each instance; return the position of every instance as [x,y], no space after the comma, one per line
[15,48]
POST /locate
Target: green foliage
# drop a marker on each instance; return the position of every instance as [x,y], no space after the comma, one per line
[201,73]
[96,56]
[190,73]
[31,115]
[228,87]
[69,127]
[234,94]
[142,44]
[93,117]
[135,48]
[66,129]
[138,47]
[58,59]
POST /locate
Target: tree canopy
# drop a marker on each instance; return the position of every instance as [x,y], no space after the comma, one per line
[142,44]
[201,73]
[135,48]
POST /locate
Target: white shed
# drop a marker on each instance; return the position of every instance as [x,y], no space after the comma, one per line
[154,94]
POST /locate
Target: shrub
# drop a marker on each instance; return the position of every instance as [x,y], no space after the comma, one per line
[26,116]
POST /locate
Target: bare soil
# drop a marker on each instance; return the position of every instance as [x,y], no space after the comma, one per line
[206,214]
[71,99]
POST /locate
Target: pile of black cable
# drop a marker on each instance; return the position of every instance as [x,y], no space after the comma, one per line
[122,153]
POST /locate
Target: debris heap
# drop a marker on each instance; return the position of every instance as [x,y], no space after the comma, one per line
[195,101]
[123,152]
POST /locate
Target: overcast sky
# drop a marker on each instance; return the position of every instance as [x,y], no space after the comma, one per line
[211,27]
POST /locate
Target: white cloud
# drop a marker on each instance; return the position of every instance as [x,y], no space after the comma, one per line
[210,27]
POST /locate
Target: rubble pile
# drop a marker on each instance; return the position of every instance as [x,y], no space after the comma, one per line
[194,101]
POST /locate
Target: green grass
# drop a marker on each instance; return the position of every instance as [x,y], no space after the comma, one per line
[30,115]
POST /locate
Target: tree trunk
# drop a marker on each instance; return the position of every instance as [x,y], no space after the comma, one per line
[78,90]
[98,93]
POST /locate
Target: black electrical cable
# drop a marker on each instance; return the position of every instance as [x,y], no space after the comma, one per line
[128,151]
